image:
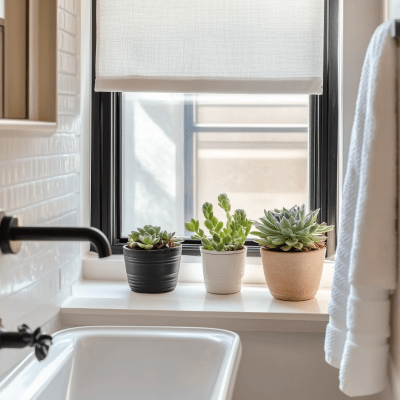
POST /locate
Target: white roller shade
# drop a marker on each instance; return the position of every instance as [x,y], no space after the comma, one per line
[210,46]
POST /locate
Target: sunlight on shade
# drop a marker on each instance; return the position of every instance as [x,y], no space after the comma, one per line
[152,165]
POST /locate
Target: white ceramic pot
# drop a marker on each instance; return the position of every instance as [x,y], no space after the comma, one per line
[223,270]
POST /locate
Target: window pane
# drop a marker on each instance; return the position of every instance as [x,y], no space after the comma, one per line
[254,148]
[152,162]
[256,170]
[256,109]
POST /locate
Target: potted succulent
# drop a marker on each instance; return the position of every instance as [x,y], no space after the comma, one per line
[152,260]
[223,254]
[293,252]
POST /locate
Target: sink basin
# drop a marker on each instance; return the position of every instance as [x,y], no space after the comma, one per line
[121,363]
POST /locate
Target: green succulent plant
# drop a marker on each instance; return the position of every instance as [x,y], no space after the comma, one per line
[291,230]
[228,238]
[151,237]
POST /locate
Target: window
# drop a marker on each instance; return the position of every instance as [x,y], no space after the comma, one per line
[157,157]
[179,151]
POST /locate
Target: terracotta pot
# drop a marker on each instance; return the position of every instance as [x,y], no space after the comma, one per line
[293,276]
[223,270]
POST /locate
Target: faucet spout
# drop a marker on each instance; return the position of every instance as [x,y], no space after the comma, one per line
[92,235]
[11,234]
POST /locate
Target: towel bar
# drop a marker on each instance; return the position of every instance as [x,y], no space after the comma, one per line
[396,29]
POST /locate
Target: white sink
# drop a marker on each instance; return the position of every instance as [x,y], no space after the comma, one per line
[135,363]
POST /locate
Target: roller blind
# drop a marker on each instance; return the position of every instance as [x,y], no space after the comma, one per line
[210,46]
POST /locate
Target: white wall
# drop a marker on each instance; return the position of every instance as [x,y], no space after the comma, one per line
[394,9]
[40,181]
[360,18]
[394,370]
[287,366]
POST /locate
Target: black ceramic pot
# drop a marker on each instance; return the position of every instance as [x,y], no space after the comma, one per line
[152,271]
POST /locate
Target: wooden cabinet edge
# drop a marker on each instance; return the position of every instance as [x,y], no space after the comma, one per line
[34,127]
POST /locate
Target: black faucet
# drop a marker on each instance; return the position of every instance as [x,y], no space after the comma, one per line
[11,234]
[26,337]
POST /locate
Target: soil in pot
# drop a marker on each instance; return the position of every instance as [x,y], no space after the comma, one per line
[293,276]
[152,271]
[223,270]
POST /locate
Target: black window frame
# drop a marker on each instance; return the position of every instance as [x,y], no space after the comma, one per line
[106,150]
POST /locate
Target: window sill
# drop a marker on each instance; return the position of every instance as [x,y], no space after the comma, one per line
[111,302]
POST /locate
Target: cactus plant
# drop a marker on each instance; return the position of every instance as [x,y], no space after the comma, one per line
[291,230]
[151,237]
[228,238]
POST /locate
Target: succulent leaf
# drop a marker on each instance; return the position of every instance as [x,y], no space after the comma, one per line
[298,245]
[219,226]
[299,226]
[324,229]
[271,218]
[291,242]
[216,238]
[266,230]
[189,226]
[205,242]
[287,232]
[267,223]
[285,223]
[255,233]
[317,238]
[291,230]
[230,237]
[225,204]
[278,241]
[134,235]
[208,224]
[227,239]
[151,237]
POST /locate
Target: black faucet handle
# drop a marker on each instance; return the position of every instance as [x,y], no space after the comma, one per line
[26,337]
[42,349]
[41,342]
[24,329]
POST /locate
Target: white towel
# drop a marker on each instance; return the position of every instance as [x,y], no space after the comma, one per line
[365,266]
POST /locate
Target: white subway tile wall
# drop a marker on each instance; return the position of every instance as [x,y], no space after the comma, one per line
[40,182]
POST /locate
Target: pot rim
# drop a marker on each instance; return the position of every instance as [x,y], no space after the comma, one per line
[223,253]
[126,247]
[292,252]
